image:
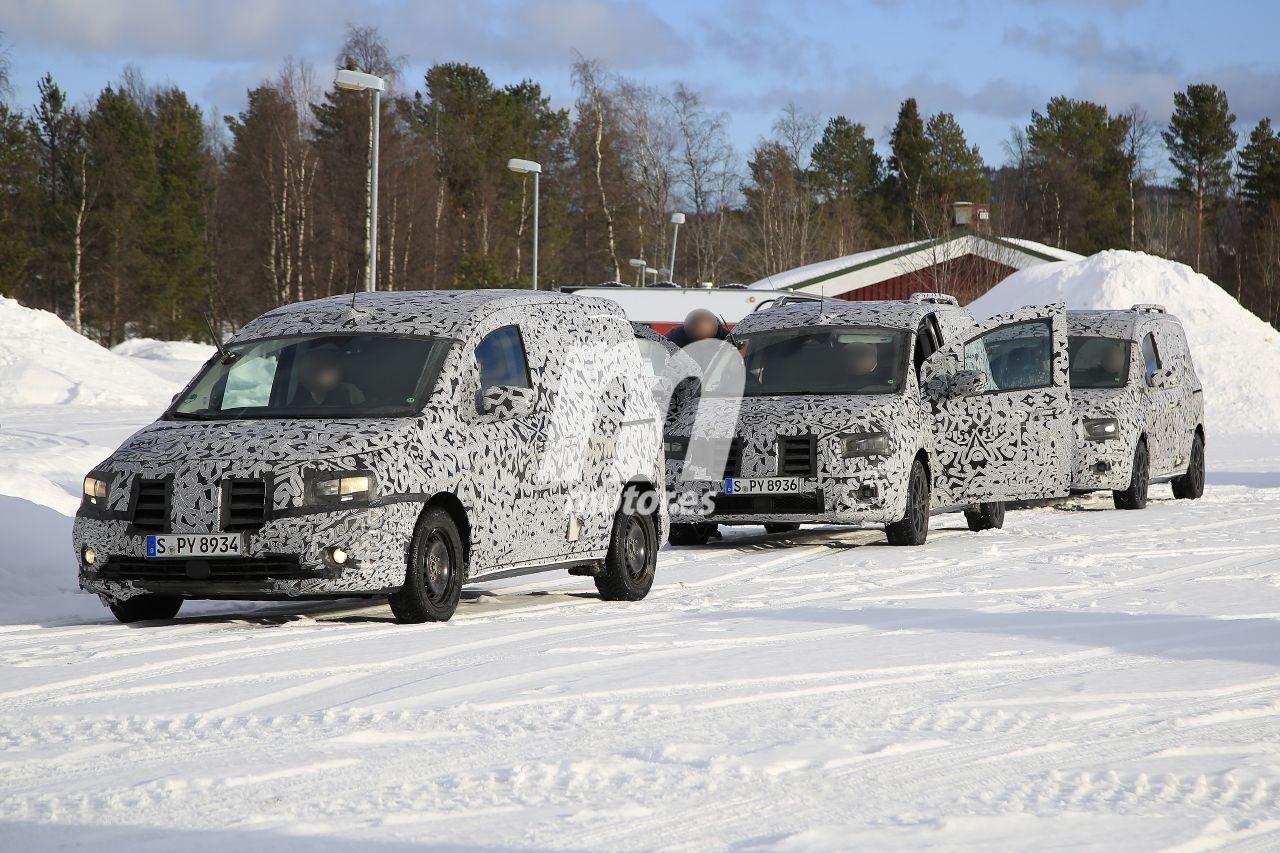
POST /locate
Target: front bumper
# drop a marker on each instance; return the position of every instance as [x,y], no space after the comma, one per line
[283,559]
[865,499]
[1102,465]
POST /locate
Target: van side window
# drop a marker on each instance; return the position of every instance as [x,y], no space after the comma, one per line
[1150,355]
[928,340]
[501,359]
[1015,357]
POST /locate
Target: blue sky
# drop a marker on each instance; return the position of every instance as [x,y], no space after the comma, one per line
[989,62]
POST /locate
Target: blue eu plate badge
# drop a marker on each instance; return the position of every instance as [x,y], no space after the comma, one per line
[151,546]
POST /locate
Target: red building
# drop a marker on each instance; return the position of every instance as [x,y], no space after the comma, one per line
[965,264]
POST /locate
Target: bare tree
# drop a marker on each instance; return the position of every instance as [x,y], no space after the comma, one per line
[1139,138]
[706,172]
[595,103]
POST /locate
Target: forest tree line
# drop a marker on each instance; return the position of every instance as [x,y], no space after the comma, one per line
[136,213]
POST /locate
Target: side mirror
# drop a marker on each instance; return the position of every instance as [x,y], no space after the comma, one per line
[1163,378]
[505,401]
[967,383]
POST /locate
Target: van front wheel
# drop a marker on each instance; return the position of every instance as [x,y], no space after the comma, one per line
[1135,497]
[434,574]
[632,559]
[146,608]
[913,529]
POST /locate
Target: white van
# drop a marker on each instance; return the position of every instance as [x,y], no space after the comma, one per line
[394,444]
[1138,404]
[877,413]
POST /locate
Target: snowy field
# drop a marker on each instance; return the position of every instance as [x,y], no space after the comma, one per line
[1083,678]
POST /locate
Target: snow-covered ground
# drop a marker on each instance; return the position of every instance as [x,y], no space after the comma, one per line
[1083,678]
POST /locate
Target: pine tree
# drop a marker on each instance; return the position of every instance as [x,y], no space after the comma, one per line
[954,170]
[178,242]
[847,172]
[1077,154]
[1200,139]
[1259,168]
[19,198]
[908,162]
[122,161]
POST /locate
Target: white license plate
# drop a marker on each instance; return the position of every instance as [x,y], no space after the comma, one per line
[763,485]
[195,545]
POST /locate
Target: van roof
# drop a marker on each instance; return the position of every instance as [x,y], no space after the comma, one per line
[1115,322]
[438,313]
[893,314]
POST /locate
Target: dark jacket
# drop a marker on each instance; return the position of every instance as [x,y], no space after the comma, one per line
[680,337]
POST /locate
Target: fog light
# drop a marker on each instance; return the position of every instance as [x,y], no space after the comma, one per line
[338,556]
[87,554]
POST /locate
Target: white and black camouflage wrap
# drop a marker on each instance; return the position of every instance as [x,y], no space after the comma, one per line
[990,446]
[589,427]
[1167,418]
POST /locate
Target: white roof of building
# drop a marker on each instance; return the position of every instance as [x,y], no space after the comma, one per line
[851,272]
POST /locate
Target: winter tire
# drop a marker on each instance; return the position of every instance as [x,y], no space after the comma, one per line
[632,559]
[434,574]
[988,516]
[1135,497]
[913,529]
[1190,486]
[146,608]
[781,527]
[691,534]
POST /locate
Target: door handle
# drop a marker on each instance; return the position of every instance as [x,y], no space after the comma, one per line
[1043,413]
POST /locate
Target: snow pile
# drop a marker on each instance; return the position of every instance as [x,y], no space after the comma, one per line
[44,362]
[176,361]
[1237,355]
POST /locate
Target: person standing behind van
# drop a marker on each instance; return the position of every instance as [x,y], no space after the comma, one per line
[700,325]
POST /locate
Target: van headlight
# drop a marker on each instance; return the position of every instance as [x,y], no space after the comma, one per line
[96,489]
[853,444]
[341,488]
[1101,429]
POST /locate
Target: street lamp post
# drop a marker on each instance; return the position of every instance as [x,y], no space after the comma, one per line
[641,267]
[358,81]
[677,219]
[528,167]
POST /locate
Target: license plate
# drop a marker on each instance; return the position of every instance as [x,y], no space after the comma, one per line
[195,545]
[763,485]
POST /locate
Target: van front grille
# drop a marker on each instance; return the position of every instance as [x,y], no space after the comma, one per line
[151,506]
[244,504]
[797,455]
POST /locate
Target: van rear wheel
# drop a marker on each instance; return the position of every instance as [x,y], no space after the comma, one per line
[913,529]
[632,559]
[146,608]
[1190,486]
[434,574]
[988,516]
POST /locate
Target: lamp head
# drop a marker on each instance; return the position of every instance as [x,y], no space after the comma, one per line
[358,81]
[524,167]
[677,219]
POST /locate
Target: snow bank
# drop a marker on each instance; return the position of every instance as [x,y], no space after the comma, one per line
[44,362]
[1237,355]
[176,361]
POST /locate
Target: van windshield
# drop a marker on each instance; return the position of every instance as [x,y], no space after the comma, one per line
[832,360]
[316,376]
[1098,362]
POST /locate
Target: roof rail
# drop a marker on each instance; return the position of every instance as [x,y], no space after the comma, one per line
[935,299]
[1149,307]
[790,299]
